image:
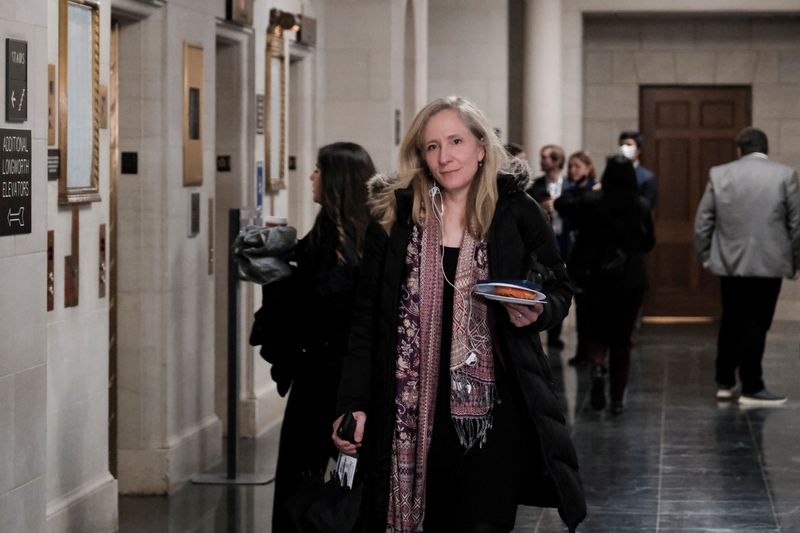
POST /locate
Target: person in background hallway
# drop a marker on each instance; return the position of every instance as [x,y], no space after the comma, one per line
[747,232]
[545,189]
[452,393]
[580,173]
[630,145]
[516,150]
[304,322]
[614,231]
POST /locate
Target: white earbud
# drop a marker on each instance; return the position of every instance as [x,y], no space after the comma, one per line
[473,337]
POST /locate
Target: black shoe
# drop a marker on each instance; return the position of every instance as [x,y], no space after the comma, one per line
[578,360]
[558,344]
[762,398]
[598,393]
[617,408]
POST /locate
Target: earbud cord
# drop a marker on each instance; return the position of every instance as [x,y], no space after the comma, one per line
[438,212]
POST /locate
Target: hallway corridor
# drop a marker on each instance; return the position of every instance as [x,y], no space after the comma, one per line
[676,460]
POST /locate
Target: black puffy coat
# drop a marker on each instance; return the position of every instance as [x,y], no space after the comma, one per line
[519,227]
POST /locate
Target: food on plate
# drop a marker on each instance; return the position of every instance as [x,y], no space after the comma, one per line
[513,292]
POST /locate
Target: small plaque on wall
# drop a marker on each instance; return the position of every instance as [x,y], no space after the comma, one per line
[129,162]
[194,218]
[223,163]
[51,104]
[259,114]
[52,164]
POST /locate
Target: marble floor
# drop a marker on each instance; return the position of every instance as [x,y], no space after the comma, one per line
[676,460]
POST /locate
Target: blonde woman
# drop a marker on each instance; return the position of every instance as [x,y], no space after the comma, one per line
[456,417]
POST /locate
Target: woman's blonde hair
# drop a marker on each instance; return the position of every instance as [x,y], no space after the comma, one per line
[414,172]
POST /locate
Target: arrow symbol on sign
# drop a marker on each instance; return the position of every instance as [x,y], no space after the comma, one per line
[21,98]
[13,99]
[18,217]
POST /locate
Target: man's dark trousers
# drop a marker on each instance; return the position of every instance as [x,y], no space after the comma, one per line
[748,305]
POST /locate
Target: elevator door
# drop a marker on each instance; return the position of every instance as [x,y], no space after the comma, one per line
[687,130]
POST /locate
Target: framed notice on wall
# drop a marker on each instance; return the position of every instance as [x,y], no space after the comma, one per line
[78,101]
[239,11]
[192,114]
[275,113]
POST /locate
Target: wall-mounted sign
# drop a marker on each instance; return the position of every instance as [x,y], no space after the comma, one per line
[129,162]
[259,184]
[259,114]
[51,104]
[223,163]
[239,11]
[194,214]
[16,80]
[52,164]
[15,182]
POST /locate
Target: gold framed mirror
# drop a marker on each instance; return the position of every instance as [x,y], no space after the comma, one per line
[275,113]
[78,101]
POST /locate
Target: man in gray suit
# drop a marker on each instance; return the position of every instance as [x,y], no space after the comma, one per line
[747,231]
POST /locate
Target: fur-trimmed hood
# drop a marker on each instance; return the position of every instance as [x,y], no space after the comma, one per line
[378,183]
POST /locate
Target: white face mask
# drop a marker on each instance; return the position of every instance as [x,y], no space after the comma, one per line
[628,151]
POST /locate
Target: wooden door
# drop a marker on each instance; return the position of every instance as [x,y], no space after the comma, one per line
[687,130]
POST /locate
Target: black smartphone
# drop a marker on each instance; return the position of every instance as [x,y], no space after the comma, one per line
[347,428]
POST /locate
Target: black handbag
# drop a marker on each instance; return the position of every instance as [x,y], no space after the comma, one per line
[325,506]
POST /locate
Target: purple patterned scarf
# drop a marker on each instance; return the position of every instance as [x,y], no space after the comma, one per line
[471,369]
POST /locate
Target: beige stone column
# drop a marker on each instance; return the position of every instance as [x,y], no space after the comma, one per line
[543,81]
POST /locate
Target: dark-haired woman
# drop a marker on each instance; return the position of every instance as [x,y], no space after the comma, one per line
[305,320]
[614,231]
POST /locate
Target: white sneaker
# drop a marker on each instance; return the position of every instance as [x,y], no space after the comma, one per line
[724,393]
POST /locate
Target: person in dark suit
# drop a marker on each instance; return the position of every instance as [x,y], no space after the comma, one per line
[545,189]
[630,145]
[747,232]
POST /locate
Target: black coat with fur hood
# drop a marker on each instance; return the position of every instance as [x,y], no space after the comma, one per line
[518,228]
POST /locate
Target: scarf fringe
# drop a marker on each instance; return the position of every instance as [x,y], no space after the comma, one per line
[472,427]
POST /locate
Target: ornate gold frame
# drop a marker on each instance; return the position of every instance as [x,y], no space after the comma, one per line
[274,56]
[70,195]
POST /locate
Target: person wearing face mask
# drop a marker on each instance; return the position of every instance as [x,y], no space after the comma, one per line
[304,322]
[630,145]
[457,416]
[545,189]
[581,174]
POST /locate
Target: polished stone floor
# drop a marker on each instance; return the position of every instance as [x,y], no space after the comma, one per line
[676,460]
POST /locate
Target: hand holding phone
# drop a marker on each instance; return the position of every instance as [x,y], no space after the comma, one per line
[347,428]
